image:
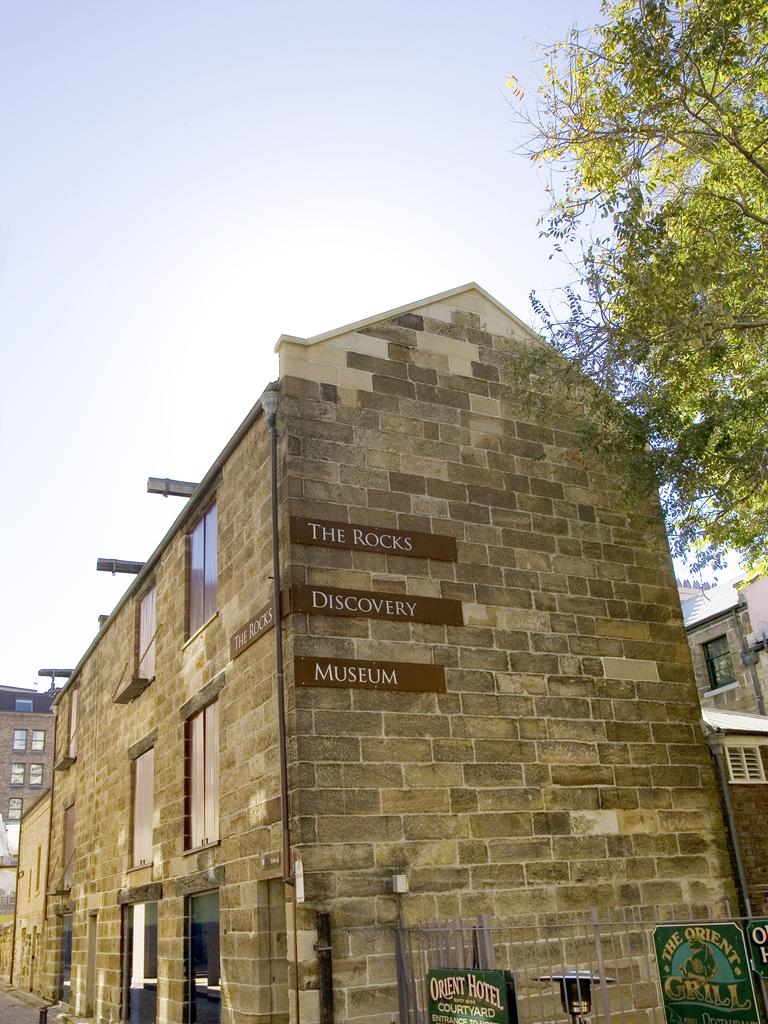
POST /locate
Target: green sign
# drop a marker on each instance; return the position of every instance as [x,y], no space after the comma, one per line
[757,933]
[463,997]
[705,974]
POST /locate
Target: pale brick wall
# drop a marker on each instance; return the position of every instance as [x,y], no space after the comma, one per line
[6,948]
[30,953]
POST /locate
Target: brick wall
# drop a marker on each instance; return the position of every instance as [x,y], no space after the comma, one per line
[6,946]
[564,767]
[9,721]
[30,951]
[99,782]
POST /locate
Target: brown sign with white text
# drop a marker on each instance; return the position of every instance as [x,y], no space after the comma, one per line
[323,533]
[256,627]
[383,676]
[321,600]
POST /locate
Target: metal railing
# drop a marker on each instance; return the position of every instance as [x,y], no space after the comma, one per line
[614,948]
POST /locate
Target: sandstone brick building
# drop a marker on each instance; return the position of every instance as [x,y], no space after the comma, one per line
[487,690]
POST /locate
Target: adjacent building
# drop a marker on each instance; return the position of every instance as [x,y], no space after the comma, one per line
[442,650]
[26,752]
[727,627]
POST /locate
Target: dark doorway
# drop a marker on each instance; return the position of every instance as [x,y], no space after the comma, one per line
[65,988]
[203,969]
[140,963]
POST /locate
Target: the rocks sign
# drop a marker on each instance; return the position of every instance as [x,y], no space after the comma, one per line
[260,624]
[327,534]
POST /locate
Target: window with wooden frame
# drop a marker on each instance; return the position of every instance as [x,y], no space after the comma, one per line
[74,701]
[717,656]
[143,772]
[36,775]
[68,848]
[202,572]
[202,778]
[19,739]
[15,805]
[745,764]
[146,633]
[17,774]
[38,739]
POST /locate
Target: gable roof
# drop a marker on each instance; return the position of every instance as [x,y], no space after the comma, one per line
[410,307]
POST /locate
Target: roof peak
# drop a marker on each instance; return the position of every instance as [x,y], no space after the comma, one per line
[429,300]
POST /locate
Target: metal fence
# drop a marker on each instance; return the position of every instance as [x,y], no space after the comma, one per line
[613,947]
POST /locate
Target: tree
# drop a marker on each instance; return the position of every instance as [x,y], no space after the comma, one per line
[654,127]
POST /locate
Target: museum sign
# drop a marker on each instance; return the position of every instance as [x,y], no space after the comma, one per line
[384,676]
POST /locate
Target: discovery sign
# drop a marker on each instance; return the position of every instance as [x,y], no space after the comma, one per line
[705,974]
[324,533]
[321,600]
[384,676]
[467,997]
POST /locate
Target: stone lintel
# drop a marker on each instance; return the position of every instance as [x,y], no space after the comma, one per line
[208,694]
[211,878]
[151,893]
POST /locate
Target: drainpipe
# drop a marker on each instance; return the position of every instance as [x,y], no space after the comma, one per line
[269,405]
[749,659]
[716,746]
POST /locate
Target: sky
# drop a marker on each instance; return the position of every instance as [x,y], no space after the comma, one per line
[180,183]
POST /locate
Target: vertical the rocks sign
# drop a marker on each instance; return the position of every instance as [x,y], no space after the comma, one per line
[705,974]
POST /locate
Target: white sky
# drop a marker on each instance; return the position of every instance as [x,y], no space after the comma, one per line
[182,182]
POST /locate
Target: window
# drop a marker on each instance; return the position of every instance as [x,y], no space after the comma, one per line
[17,774]
[145,668]
[65,984]
[19,739]
[23,705]
[745,764]
[38,739]
[203,973]
[202,571]
[15,805]
[37,868]
[717,655]
[143,773]
[202,751]
[35,775]
[73,710]
[68,853]
[140,963]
